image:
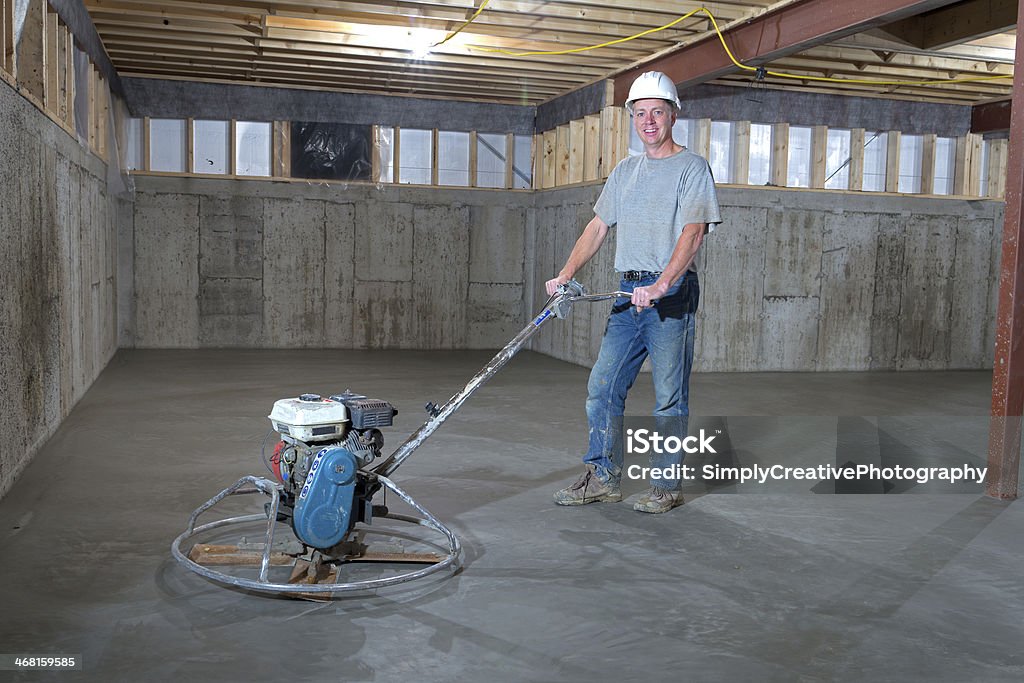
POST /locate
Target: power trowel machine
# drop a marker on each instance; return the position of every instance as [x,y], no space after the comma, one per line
[327,472]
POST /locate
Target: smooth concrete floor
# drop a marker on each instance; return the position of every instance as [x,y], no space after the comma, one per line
[761,587]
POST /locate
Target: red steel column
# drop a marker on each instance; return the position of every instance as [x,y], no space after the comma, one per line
[1008,371]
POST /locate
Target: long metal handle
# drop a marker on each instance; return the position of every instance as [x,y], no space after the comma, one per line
[559,305]
[602,297]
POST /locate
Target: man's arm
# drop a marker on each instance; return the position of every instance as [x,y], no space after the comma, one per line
[586,246]
[682,256]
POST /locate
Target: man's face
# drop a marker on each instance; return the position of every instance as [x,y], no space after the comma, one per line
[653,119]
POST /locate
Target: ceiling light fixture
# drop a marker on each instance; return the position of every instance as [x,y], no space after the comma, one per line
[422,42]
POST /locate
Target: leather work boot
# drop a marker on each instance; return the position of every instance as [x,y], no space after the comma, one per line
[588,489]
[658,500]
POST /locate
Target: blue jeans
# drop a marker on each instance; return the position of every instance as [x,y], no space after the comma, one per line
[665,333]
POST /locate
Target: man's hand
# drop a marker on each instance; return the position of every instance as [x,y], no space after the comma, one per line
[646,297]
[554,283]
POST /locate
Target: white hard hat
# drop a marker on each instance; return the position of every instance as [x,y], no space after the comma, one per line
[652,84]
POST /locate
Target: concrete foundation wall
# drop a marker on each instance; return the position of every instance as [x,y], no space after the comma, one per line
[793,280]
[797,280]
[290,265]
[58,270]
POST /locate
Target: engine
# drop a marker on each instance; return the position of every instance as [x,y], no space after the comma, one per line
[323,444]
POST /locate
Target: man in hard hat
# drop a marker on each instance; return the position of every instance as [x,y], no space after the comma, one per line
[661,203]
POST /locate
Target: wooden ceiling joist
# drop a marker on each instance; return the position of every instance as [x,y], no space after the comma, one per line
[956,24]
[165,11]
[372,46]
[339,54]
[595,32]
[909,60]
[263,67]
[793,27]
[178,26]
[616,54]
[871,40]
[142,52]
[878,72]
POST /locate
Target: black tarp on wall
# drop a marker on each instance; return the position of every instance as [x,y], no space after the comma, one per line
[333,151]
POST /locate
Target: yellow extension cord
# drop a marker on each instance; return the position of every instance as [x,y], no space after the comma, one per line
[725,46]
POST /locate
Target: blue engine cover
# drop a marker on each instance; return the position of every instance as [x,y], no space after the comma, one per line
[323,511]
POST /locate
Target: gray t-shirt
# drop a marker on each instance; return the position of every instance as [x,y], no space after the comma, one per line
[650,201]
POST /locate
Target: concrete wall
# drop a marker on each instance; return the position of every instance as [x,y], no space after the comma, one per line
[798,280]
[285,265]
[58,265]
[793,280]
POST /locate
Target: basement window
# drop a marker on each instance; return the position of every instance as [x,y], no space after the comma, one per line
[415,156]
[945,165]
[332,151]
[837,160]
[723,151]
[683,132]
[522,163]
[252,148]
[133,129]
[17,11]
[167,148]
[453,158]
[986,154]
[211,146]
[82,67]
[874,161]
[799,157]
[911,150]
[760,172]
[490,159]
[385,151]
[636,147]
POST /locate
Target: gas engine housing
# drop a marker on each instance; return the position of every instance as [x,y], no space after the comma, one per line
[324,442]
